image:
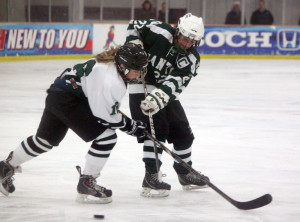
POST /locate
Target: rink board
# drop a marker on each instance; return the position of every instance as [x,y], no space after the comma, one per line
[40,39]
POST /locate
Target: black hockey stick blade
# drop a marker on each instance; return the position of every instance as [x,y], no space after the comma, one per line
[248,205]
[253,204]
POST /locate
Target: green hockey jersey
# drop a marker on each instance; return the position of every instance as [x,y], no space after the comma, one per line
[170,68]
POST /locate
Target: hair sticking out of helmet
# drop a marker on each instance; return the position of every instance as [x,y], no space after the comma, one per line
[192,27]
[131,56]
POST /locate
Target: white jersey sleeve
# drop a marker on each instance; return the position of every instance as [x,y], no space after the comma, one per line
[105,90]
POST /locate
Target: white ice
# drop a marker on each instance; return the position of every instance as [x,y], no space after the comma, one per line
[245,115]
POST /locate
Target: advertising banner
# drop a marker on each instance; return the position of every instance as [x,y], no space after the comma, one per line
[45,39]
[108,35]
[251,40]
[61,39]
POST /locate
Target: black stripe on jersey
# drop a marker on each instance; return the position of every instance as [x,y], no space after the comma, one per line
[151,149]
[175,82]
[170,92]
[26,150]
[114,136]
[34,147]
[43,144]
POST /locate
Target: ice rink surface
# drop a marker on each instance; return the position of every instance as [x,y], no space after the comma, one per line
[245,115]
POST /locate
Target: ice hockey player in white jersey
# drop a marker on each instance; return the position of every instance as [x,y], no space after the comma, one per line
[85,99]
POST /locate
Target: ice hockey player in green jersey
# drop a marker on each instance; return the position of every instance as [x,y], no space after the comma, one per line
[173,62]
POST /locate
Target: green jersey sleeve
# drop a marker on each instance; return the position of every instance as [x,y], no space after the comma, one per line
[148,31]
[186,68]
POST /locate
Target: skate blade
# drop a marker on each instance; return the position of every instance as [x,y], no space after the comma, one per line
[148,192]
[89,199]
[3,190]
[193,187]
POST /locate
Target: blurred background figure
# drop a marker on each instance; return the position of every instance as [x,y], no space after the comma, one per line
[262,16]
[234,16]
[110,37]
[146,12]
[162,13]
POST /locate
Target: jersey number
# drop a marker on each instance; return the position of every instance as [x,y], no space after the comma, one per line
[115,108]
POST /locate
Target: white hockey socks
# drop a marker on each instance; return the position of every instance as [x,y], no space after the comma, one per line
[99,152]
[32,147]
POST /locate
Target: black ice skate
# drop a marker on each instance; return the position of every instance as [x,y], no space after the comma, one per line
[90,192]
[6,176]
[152,187]
[191,182]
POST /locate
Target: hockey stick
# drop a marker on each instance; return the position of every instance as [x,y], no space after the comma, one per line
[248,205]
[152,132]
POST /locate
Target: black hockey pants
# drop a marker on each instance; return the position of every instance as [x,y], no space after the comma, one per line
[170,124]
[64,110]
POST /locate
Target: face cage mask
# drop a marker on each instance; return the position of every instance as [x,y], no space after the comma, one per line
[139,79]
[196,44]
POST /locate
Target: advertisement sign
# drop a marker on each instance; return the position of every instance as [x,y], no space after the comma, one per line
[108,35]
[45,39]
[61,39]
[251,40]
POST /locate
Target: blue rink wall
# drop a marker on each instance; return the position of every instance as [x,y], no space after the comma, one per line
[251,40]
[64,40]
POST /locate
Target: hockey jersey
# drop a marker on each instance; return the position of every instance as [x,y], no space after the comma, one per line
[169,68]
[101,85]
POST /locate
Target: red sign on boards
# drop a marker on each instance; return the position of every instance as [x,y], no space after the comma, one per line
[2,38]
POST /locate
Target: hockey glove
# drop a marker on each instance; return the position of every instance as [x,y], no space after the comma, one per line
[154,102]
[135,128]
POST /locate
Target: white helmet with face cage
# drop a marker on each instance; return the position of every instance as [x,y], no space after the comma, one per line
[191,26]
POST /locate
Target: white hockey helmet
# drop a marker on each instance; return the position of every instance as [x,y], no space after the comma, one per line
[191,26]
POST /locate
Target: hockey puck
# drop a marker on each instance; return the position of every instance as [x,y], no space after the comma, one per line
[98,216]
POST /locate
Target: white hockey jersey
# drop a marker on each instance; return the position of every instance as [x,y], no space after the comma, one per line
[103,87]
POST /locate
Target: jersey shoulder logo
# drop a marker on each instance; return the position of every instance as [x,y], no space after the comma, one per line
[73,83]
[182,62]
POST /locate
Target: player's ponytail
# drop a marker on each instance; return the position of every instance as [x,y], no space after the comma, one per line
[107,56]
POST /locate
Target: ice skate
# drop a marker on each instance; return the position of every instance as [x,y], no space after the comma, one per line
[6,176]
[152,187]
[191,182]
[90,192]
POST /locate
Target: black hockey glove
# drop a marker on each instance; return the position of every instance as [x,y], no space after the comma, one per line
[135,128]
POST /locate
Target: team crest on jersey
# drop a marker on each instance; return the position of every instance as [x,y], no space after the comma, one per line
[183,62]
[73,83]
